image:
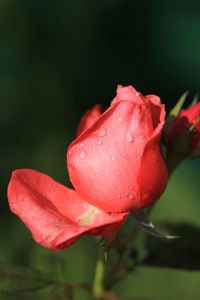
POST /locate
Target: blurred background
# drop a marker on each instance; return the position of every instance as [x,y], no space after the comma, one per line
[58,58]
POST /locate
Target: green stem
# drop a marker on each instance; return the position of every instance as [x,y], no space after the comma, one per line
[98,288]
[120,270]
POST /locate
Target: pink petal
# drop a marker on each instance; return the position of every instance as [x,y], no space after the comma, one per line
[55,215]
[128,93]
[89,118]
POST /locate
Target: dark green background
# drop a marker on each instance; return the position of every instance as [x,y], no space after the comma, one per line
[57,58]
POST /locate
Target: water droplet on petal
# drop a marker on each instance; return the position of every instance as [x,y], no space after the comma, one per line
[113,158]
[70,152]
[123,175]
[83,155]
[130,196]
[129,137]
[118,196]
[82,145]
[38,227]
[109,129]
[119,119]
[137,94]
[141,136]
[99,142]
[130,188]
[138,157]
[118,173]
[102,132]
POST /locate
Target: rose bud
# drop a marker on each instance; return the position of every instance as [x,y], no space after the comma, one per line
[186,124]
[116,164]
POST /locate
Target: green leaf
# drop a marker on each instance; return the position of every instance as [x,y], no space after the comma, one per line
[142,220]
[174,112]
[180,253]
[18,279]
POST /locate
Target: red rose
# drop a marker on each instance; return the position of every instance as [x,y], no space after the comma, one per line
[116,164]
[182,123]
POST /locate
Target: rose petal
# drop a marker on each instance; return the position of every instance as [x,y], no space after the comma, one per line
[56,215]
[112,154]
[89,118]
[128,93]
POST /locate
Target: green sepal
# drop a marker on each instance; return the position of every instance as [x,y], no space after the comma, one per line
[143,221]
[174,112]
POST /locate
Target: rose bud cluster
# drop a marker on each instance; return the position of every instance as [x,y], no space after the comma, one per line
[115,165]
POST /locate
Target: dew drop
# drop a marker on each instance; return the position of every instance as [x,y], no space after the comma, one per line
[70,152]
[119,119]
[109,129]
[118,173]
[138,157]
[99,142]
[130,196]
[82,145]
[113,158]
[130,188]
[118,196]
[83,155]
[129,137]
[136,94]
[124,154]
[123,175]
[38,227]
[102,132]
